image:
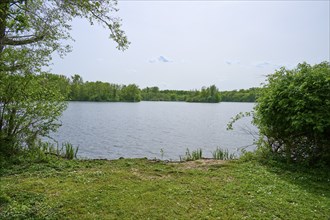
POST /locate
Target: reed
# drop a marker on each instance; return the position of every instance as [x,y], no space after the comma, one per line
[221,154]
[194,155]
[70,151]
[42,149]
[162,153]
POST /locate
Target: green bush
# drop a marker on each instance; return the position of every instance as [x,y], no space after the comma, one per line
[293,114]
[30,106]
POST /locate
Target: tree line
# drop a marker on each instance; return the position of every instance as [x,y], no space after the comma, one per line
[242,95]
[75,89]
[206,94]
[101,91]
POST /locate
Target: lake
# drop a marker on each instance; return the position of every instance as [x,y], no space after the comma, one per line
[145,129]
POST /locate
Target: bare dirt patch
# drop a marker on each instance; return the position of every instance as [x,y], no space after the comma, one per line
[201,164]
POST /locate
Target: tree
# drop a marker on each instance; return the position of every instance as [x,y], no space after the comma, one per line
[293,113]
[214,95]
[76,83]
[29,108]
[130,93]
[30,31]
[210,94]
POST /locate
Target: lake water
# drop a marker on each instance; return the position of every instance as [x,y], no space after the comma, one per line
[144,129]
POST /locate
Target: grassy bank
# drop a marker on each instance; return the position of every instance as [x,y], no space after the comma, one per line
[142,189]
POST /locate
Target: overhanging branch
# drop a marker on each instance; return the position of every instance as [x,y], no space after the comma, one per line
[6,41]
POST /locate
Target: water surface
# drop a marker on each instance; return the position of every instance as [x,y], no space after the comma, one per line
[144,129]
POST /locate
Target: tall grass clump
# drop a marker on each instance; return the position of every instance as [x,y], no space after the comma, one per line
[67,151]
[42,152]
[70,151]
[220,154]
[194,155]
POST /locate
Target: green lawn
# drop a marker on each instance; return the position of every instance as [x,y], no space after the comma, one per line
[142,189]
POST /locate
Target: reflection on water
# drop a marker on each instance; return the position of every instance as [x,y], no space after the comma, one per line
[113,130]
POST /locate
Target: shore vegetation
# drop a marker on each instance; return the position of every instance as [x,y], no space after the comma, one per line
[247,188]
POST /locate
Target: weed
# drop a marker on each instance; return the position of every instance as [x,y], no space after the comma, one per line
[194,155]
[220,154]
[70,151]
[161,153]
[43,150]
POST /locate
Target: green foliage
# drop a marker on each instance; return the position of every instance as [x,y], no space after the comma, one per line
[194,155]
[237,117]
[102,91]
[130,93]
[30,31]
[75,84]
[210,94]
[70,151]
[293,114]
[242,95]
[154,94]
[45,151]
[29,107]
[108,92]
[220,154]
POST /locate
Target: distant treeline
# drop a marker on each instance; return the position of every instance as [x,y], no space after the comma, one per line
[242,95]
[210,94]
[77,90]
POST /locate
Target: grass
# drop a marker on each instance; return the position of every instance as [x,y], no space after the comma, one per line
[142,189]
[220,154]
[194,155]
[70,151]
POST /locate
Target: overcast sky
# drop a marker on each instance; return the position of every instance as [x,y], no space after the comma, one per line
[190,44]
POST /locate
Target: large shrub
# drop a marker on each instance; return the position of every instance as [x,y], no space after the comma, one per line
[293,113]
[30,106]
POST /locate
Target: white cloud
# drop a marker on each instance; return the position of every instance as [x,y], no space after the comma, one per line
[160,59]
[163,59]
[232,62]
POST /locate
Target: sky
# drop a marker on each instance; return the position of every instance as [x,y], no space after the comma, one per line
[190,44]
